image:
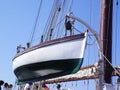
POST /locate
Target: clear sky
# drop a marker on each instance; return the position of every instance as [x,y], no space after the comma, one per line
[17,19]
[16,23]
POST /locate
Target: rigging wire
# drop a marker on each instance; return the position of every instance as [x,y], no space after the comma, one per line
[49,23]
[56,16]
[36,21]
[64,12]
[91,12]
[60,23]
[116,29]
[90,24]
[61,27]
[77,29]
[108,61]
[111,64]
[53,19]
[71,4]
[88,63]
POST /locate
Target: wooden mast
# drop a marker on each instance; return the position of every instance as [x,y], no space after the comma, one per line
[106,37]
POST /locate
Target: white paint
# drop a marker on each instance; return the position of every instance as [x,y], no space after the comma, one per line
[65,50]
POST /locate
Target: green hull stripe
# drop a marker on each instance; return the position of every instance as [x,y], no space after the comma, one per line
[27,73]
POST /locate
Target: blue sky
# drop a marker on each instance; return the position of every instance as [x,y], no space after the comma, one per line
[17,19]
[16,23]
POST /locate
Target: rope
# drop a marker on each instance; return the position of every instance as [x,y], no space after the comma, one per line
[56,15]
[90,12]
[59,28]
[116,28]
[45,31]
[36,21]
[110,64]
[50,20]
[108,61]
[70,6]
[60,23]
[77,30]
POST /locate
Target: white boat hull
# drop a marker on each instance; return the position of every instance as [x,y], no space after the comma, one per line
[50,60]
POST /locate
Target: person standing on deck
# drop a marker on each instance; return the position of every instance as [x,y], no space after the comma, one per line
[69,26]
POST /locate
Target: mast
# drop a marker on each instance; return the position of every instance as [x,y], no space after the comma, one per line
[106,37]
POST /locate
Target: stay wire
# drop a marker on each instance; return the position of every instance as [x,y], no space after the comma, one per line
[47,24]
[36,21]
[55,17]
[71,4]
[111,64]
[108,61]
[59,24]
[116,29]
[49,21]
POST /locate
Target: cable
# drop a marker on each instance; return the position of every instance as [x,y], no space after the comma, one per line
[51,20]
[36,21]
[91,12]
[110,64]
[116,28]
[70,6]
[108,61]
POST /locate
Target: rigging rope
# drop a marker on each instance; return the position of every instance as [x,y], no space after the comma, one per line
[56,16]
[49,21]
[58,8]
[91,11]
[70,6]
[36,21]
[59,24]
[116,28]
[55,19]
[108,61]
[111,64]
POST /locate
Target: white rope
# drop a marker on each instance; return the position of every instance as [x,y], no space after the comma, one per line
[111,64]
[108,61]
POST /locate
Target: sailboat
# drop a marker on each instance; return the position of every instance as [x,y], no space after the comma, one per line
[56,57]
[105,70]
[51,58]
